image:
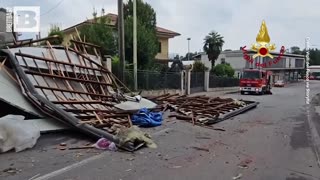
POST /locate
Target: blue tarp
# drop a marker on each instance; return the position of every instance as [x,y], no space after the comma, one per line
[145,118]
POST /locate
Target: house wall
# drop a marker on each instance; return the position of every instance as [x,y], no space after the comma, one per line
[164,54]
[235,59]
[67,37]
[205,61]
[185,63]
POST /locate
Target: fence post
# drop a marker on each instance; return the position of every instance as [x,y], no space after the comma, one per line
[188,81]
[107,62]
[206,81]
[182,85]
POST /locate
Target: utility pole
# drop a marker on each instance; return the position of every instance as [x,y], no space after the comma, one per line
[121,40]
[135,68]
[189,48]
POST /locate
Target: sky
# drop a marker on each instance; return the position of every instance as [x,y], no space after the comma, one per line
[289,22]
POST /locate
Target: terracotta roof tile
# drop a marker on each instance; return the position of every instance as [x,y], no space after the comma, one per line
[163,30]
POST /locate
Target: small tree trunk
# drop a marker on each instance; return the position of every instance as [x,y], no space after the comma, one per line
[212,63]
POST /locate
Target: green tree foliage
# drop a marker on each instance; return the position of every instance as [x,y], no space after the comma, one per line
[191,56]
[213,46]
[147,41]
[145,13]
[295,50]
[115,63]
[223,70]
[101,34]
[56,31]
[314,55]
[177,57]
[198,66]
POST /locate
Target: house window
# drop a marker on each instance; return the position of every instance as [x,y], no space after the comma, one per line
[159,47]
[223,60]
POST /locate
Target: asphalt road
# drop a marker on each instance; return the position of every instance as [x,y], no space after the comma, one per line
[275,141]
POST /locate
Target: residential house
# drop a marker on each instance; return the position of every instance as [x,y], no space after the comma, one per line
[164,35]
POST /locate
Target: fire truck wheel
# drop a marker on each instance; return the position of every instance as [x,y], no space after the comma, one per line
[242,92]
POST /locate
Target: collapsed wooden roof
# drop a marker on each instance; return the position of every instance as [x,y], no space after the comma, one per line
[71,85]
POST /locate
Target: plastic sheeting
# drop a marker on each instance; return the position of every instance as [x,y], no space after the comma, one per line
[131,105]
[146,118]
[17,134]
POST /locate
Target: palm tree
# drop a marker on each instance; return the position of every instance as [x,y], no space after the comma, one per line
[213,43]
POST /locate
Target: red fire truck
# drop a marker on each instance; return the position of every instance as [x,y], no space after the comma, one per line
[256,81]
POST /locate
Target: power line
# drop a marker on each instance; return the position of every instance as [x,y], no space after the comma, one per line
[52,8]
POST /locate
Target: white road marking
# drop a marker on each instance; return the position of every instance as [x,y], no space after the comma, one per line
[70,167]
[85,161]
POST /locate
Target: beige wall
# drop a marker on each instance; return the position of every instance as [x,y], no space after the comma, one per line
[67,37]
[164,49]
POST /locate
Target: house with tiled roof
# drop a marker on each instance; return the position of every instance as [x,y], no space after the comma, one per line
[164,35]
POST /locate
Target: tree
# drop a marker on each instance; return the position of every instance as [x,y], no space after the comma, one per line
[223,70]
[177,57]
[198,66]
[101,34]
[145,13]
[55,31]
[190,56]
[176,66]
[213,46]
[148,45]
[314,55]
[295,50]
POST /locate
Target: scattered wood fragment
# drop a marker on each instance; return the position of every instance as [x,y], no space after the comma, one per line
[200,149]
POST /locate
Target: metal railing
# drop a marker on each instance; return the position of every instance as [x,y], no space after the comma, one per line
[197,79]
[216,81]
[152,80]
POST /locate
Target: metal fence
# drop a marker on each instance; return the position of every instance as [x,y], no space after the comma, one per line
[197,79]
[216,81]
[152,80]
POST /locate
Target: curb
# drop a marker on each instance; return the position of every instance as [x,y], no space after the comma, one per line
[233,92]
[311,115]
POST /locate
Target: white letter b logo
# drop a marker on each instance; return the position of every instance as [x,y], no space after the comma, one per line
[26,18]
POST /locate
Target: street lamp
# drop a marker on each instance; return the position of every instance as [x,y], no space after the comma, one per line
[188,48]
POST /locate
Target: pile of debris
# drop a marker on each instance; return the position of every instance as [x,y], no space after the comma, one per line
[203,110]
[71,85]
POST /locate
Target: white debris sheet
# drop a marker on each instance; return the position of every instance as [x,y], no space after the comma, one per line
[10,93]
[17,134]
[48,125]
[131,105]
